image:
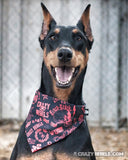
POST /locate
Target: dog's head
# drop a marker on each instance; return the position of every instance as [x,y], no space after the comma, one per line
[66,49]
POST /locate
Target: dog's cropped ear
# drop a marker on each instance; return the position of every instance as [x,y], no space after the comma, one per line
[48,23]
[84,25]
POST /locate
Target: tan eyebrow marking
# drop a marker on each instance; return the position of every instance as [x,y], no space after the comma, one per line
[75,30]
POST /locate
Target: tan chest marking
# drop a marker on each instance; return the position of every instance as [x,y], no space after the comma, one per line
[46,155]
[64,156]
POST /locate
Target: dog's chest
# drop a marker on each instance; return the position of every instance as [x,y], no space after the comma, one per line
[49,155]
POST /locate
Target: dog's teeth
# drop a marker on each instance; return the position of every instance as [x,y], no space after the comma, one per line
[55,69]
[73,69]
[63,82]
[69,78]
[57,78]
[67,82]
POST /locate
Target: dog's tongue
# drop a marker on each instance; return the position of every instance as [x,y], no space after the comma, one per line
[64,74]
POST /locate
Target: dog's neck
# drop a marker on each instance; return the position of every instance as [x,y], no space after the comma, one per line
[46,86]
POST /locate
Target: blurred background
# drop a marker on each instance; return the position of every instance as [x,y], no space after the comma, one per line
[106,82]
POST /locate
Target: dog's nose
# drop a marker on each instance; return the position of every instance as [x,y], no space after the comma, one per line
[64,55]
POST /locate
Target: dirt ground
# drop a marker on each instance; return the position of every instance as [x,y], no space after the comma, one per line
[104,140]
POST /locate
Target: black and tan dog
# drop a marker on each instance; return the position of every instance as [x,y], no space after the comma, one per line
[65,56]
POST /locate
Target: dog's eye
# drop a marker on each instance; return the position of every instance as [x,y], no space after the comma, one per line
[78,38]
[53,37]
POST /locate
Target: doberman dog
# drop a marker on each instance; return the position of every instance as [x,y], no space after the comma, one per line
[65,56]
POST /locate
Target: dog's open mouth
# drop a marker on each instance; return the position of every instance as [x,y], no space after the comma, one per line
[64,75]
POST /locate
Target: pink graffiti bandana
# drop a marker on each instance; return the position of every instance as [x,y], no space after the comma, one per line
[51,120]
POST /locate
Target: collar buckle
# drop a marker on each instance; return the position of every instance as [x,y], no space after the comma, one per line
[86,111]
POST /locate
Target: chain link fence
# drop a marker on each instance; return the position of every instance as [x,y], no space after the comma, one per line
[106,83]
